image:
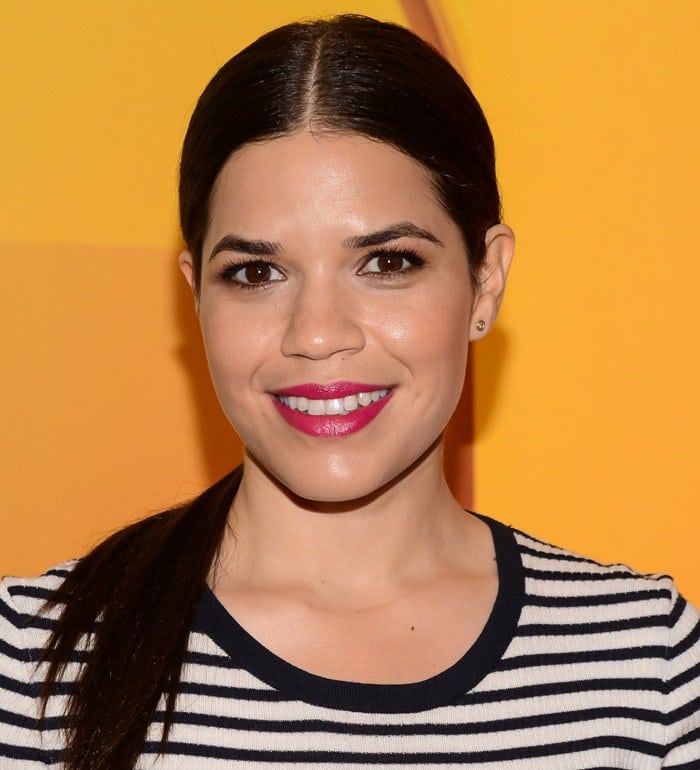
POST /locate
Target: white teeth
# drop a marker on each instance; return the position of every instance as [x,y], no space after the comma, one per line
[350,403]
[316,407]
[332,406]
[365,399]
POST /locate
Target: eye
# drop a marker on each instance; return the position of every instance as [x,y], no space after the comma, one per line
[391,261]
[252,275]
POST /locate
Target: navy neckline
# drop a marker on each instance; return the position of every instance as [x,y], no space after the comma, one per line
[445,688]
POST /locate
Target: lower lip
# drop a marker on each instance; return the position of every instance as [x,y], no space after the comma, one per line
[332,425]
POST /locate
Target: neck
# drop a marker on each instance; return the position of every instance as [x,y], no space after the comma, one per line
[406,530]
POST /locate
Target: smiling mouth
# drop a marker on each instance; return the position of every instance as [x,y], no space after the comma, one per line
[319,407]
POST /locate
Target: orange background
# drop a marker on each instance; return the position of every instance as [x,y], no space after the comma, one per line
[585,415]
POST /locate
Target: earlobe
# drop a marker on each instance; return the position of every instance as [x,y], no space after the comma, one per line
[500,244]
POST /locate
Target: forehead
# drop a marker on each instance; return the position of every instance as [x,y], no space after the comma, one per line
[322,177]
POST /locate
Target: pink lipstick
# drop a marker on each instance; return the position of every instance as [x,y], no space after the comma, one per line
[332,410]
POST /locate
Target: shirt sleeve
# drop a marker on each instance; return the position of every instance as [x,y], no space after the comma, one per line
[21,744]
[682,687]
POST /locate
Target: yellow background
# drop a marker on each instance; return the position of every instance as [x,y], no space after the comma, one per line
[586,417]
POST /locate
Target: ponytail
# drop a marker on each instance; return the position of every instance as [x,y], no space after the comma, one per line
[134,597]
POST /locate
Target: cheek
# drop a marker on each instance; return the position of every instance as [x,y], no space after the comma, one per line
[232,345]
[431,328]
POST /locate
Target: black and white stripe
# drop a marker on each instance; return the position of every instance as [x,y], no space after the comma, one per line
[581,666]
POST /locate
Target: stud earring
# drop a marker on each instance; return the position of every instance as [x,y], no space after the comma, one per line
[480,325]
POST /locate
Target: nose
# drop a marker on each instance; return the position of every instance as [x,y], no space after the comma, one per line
[322,322]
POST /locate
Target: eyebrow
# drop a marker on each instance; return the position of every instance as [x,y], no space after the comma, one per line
[391,233]
[260,248]
[256,248]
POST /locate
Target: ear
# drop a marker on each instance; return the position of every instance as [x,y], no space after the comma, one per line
[500,243]
[186,264]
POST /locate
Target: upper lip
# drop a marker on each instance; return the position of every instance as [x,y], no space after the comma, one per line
[341,389]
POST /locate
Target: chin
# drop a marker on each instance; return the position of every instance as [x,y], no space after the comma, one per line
[328,486]
[351,494]
[340,481]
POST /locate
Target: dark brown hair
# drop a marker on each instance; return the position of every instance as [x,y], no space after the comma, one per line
[136,593]
[349,74]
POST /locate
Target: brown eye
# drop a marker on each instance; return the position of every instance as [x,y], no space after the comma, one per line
[389,263]
[252,274]
[392,262]
[258,273]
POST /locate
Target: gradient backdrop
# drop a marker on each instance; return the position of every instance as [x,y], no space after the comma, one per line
[582,422]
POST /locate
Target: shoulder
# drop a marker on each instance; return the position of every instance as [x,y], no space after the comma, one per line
[608,637]
[546,560]
[28,594]
[24,629]
[24,624]
[562,583]
[23,598]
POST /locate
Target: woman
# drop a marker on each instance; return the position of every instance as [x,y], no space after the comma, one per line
[329,603]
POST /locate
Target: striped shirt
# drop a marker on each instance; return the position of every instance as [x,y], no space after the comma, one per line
[580,666]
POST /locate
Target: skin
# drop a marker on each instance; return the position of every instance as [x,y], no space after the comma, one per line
[346,553]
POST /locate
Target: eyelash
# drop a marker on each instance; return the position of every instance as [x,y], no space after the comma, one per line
[228,271]
[415,262]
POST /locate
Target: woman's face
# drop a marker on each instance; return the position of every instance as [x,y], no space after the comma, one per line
[336,308]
